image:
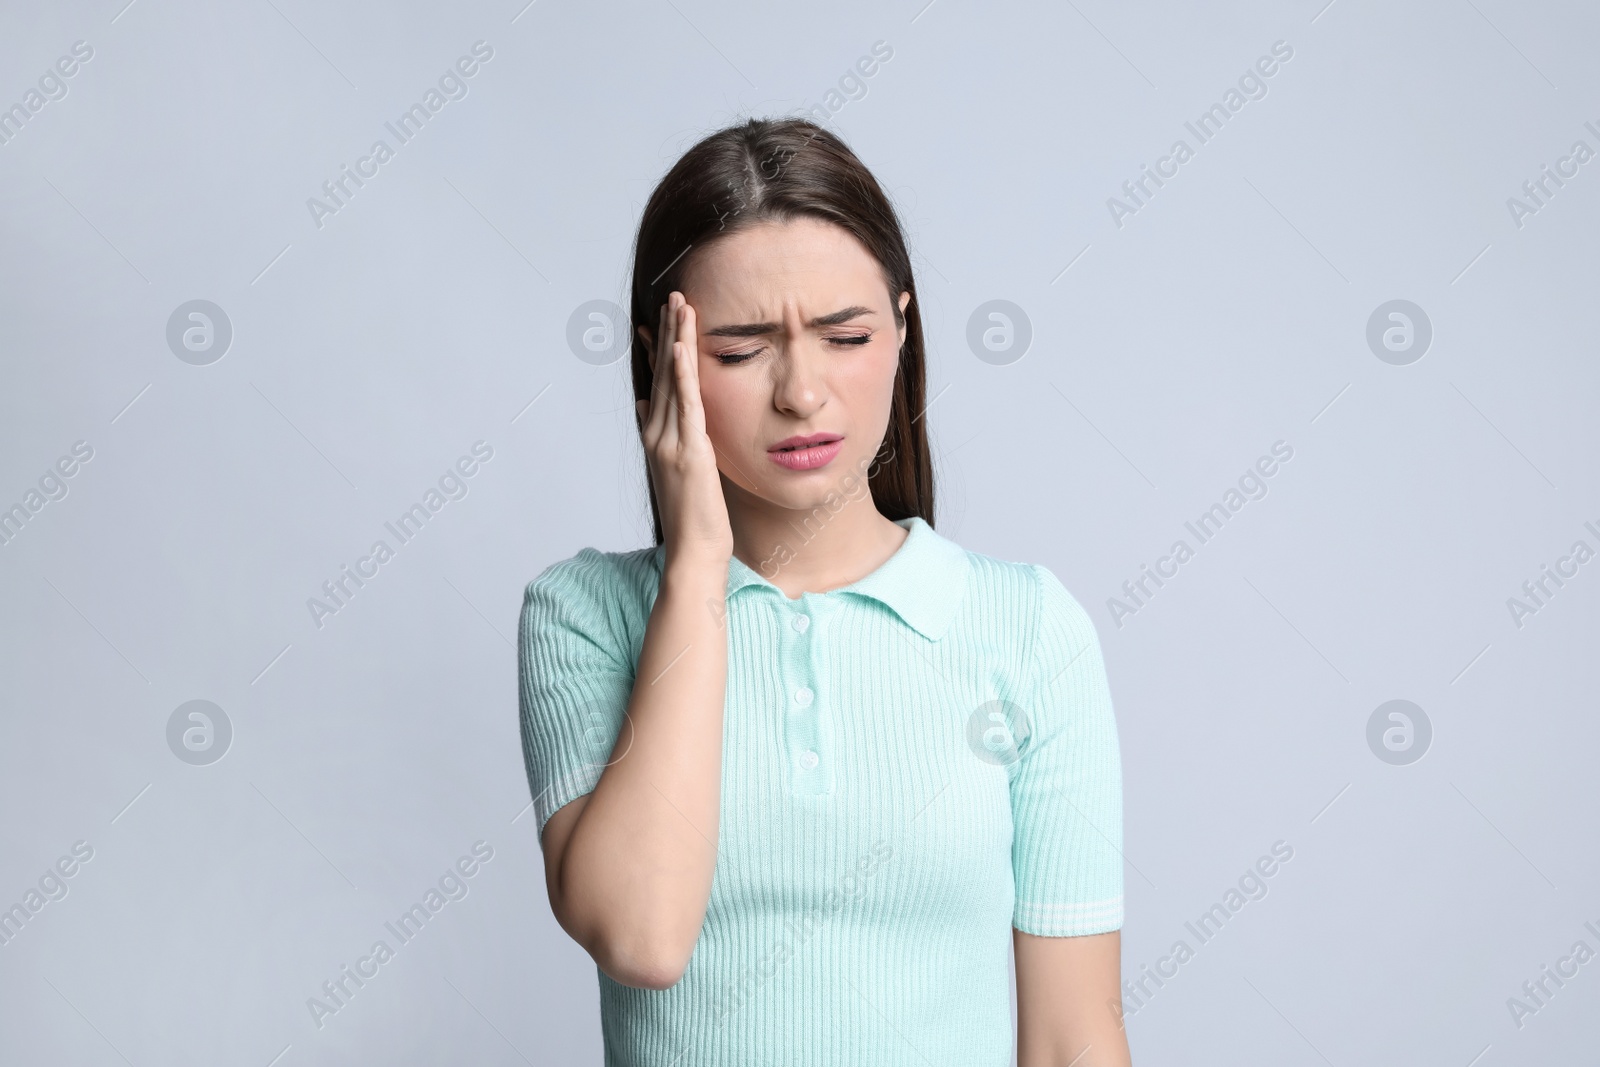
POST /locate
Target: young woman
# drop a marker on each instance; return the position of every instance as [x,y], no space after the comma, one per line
[806,772]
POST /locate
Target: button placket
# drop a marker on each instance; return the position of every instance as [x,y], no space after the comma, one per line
[810,772]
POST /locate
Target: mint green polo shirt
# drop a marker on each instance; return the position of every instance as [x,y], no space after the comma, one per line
[913,764]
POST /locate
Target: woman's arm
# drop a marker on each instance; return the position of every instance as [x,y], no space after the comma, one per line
[1069,1001]
[629,865]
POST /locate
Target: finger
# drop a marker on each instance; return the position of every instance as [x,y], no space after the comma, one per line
[656,361]
[660,339]
[669,335]
[669,375]
[661,373]
[669,332]
[680,412]
[691,408]
[672,433]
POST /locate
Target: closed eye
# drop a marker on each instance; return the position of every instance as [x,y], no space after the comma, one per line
[729,359]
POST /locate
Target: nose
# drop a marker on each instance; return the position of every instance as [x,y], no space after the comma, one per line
[800,382]
[799,374]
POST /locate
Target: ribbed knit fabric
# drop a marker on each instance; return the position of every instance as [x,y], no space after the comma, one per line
[912,765]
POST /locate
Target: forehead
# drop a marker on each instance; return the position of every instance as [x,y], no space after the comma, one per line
[805,260]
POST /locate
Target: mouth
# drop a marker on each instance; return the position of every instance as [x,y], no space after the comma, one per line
[806,453]
[792,444]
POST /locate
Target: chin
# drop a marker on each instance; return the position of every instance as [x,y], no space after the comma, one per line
[791,498]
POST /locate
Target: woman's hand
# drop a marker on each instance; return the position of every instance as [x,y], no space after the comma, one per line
[683,463]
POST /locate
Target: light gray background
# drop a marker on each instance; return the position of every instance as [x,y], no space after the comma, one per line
[369,354]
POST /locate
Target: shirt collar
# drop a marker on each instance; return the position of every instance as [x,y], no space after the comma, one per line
[923,582]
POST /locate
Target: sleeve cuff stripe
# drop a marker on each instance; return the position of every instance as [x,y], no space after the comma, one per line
[1086,912]
[559,794]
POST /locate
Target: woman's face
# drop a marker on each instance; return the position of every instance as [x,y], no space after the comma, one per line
[797,338]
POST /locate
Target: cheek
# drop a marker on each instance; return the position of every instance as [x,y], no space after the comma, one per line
[869,384]
[732,409]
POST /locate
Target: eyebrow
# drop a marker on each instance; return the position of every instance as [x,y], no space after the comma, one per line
[758,329]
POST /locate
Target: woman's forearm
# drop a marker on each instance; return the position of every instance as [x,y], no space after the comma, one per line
[1069,1001]
[636,874]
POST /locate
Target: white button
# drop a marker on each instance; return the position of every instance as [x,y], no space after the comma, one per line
[801,622]
[808,759]
[802,696]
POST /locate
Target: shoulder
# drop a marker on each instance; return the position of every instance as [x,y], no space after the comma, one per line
[1027,593]
[596,573]
[1003,580]
[605,596]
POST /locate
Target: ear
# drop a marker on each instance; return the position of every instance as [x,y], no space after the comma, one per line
[905,301]
[644,332]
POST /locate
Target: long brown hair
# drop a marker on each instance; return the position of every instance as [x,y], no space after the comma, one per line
[776,170]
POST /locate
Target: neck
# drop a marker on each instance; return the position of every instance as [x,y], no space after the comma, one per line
[810,550]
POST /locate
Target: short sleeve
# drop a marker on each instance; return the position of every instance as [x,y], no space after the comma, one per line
[1066,792]
[574,678]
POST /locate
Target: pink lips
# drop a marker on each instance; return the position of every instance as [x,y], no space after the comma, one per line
[806,452]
